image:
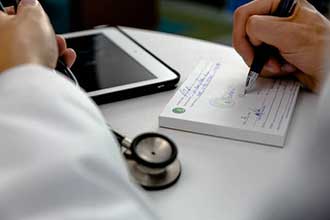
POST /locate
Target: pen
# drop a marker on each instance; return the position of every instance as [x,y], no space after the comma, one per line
[2,8]
[264,51]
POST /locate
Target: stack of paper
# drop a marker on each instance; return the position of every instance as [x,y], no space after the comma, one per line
[212,101]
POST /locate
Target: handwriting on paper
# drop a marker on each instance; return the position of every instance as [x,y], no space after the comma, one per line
[227,100]
[274,104]
[191,93]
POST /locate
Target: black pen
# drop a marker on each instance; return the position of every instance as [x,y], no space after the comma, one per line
[264,51]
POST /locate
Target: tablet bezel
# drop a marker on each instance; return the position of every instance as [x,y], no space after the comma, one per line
[165,76]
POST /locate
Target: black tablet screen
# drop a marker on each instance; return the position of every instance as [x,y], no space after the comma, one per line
[102,64]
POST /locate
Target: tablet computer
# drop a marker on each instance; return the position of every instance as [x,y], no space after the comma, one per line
[112,66]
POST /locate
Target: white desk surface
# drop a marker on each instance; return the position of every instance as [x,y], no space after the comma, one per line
[221,179]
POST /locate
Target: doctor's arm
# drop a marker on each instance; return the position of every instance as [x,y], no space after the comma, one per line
[57,158]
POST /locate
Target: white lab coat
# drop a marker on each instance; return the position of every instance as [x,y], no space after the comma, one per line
[58,161]
[57,158]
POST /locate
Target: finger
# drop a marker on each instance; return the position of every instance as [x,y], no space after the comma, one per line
[245,49]
[272,68]
[241,16]
[276,68]
[288,68]
[308,81]
[3,14]
[29,8]
[267,74]
[32,13]
[61,45]
[267,29]
[69,57]
[3,17]
[10,10]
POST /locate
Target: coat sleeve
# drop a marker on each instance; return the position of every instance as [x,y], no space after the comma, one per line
[58,159]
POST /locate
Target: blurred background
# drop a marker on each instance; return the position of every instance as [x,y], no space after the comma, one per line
[204,19]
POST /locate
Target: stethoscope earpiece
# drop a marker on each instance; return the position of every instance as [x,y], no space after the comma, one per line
[152,160]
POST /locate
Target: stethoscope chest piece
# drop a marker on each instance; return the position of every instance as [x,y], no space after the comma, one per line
[155,181]
[153,162]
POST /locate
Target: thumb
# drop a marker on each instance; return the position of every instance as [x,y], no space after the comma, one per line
[274,31]
[32,12]
[27,6]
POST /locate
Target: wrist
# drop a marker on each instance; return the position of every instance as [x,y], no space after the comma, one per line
[7,64]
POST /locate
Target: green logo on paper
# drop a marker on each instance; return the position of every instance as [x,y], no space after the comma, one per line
[179,110]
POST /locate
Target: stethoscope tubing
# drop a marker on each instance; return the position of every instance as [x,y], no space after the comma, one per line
[129,147]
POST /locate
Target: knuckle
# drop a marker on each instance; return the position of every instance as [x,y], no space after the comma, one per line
[249,26]
[252,24]
[239,13]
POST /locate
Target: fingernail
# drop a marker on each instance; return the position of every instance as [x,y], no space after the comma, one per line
[29,2]
[288,68]
[270,68]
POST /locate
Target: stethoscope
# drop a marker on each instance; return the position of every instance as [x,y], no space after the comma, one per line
[152,158]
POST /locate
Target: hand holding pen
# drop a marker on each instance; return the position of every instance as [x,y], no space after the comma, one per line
[263,52]
[300,40]
[30,39]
